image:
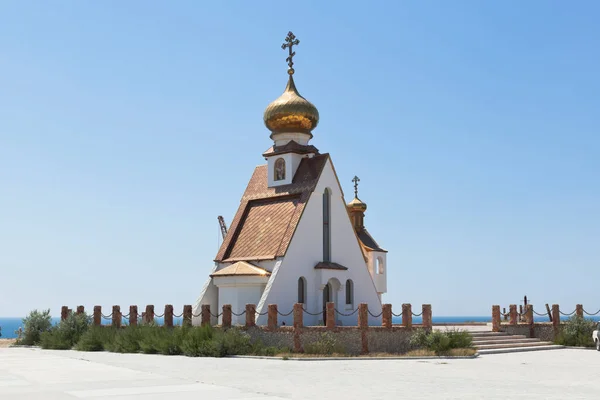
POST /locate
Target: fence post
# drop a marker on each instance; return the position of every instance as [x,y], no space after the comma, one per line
[205,314]
[149,317]
[363,315]
[187,315]
[133,316]
[512,310]
[272,316]
[80,310]
[386,312]
[97,315]
[298,324]
[579,310]
[555,316]
[427,322]
[407,315]
[64,312]
[169,315]
[330,323]
[250,315]
[116,316]
[529,314]
[495,318]
[226,321]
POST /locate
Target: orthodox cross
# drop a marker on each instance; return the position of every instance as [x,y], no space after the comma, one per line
[290,41]
[355,180]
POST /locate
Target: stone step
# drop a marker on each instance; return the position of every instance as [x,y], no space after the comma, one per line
[513,345]
[488,333]
[507,337]
[519,349]
[478,343]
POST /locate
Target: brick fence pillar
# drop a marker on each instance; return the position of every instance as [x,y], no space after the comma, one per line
[149,316]
[169,316]
[97,315]
[579,310]
[250,315]
[407,315]
[187,315]
[363,315]
[133,316]
[495,318]
[555,316]
[80,310]
[272,316]
[298,325]
[386,313]
[226,320]
[116,316]
[330,323]
[427,323]
[512,310]
[529,318]
[205,317]
[64,312]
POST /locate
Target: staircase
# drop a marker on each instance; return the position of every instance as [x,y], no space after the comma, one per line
[487,342]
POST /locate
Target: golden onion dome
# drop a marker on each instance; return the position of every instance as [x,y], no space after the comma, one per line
[357,205]
[291,112]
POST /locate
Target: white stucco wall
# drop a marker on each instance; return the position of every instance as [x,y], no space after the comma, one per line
[292,161]
[306,250]
[238,291]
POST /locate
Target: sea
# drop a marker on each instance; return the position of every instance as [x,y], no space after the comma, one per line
[9,326]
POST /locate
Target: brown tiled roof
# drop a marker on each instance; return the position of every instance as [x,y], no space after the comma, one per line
[241,268]
[368,241]
[266,220]
[291,147]
[329,265]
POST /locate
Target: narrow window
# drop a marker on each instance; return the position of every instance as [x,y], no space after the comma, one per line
[301,290]
[349,292]
[279,169]
[327,225]
[379,266]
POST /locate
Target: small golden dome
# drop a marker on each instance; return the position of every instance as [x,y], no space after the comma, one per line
[291,112]
[357,205]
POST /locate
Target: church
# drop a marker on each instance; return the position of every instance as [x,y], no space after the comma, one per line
[294,239]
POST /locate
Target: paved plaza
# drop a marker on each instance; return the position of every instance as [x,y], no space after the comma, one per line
[33,374]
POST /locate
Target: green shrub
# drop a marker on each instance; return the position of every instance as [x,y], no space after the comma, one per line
[166,341]
[200,342]
[67,333]
[327,344]
[441,342]
[34,325]
[127,340]
[97,338]
[577,331]
[237,342]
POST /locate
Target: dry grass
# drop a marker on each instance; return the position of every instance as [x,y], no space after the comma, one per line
[7,342]
[413,353]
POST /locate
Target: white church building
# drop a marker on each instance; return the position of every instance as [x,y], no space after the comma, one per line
[294,239]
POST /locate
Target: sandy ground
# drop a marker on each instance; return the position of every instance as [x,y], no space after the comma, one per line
[6,342]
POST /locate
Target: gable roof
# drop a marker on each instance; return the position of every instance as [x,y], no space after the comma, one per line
[267,218]
[241,268]
[368,242]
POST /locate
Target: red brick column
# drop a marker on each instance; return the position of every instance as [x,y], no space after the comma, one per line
[116,317]
[555,316]
[149,317]
[529,314]
[330,324]
[80,310]
[169,316]
[298,325]
[133,316]
[363,315]
[579,310]
[407,315]
[426,310]
[205,318]
[64,312]
[250,315]
[226,318]
[187,315]
[495,318]
[512,310]
[272,316]
[97,315]
[386,314]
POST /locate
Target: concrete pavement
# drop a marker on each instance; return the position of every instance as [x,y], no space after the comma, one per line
[53,375]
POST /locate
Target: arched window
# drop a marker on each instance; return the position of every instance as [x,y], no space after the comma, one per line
[349,292]
[301,290]
[327,225]
[279,169]
[379,266]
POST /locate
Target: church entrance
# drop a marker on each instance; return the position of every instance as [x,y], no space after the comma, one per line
[327,295]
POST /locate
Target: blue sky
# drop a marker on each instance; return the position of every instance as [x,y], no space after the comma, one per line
[126,128]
